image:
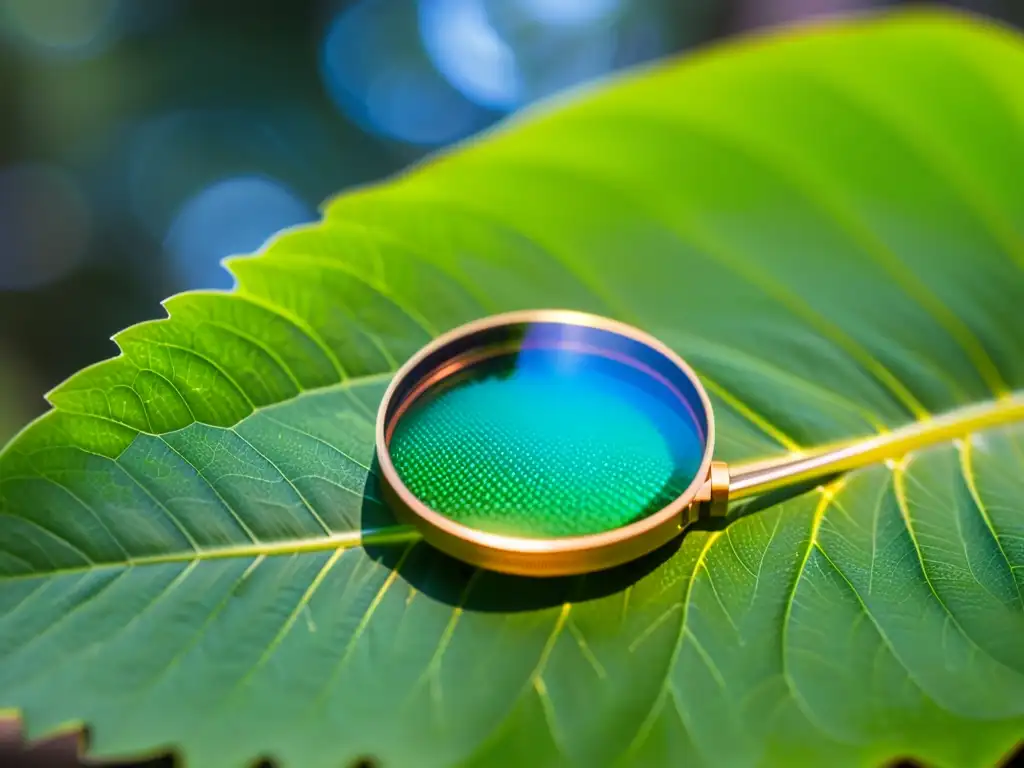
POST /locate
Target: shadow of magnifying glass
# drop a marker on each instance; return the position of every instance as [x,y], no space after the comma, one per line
[446,579]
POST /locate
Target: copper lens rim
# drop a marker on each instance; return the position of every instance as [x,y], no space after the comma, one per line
[499,334]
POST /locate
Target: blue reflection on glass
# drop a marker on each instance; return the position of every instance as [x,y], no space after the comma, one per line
[376,73]
[230,217]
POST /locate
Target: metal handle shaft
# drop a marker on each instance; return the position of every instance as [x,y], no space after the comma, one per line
[758,477]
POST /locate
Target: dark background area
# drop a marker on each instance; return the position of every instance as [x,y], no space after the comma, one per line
[141,141]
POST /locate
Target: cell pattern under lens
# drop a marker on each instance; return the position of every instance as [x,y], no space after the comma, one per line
[547,443]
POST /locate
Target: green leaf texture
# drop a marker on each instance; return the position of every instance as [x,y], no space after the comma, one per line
[829,224]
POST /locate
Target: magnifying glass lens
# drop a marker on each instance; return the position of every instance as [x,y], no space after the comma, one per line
[557,436]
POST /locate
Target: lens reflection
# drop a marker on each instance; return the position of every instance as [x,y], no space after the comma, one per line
[553,440]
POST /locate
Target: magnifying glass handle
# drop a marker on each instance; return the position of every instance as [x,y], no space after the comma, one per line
[747,480]
[713,499]
[754,479]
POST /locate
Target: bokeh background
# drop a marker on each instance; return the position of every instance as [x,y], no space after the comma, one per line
[141,141]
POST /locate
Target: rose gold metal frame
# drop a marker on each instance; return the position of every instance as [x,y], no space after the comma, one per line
[707,494]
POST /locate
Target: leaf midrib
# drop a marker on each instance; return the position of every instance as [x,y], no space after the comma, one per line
[969,419]
[392,534]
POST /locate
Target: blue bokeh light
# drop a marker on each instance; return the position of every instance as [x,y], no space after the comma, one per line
[232,216]
[505,55]
[467,50]
[570,12]
[375,71]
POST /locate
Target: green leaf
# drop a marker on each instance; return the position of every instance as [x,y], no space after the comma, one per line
[829,224]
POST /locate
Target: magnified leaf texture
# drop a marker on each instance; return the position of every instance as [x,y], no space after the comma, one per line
[828,224]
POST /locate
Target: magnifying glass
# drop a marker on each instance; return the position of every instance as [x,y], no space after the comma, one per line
[552,442]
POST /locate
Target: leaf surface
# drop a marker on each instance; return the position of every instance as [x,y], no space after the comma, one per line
[829,224]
